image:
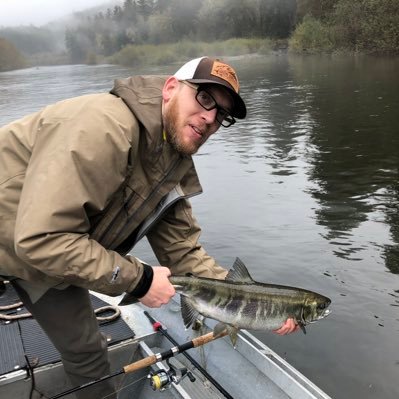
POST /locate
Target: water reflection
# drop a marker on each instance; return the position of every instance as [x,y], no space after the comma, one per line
[54,83]
[336,119]
[391,206]
[278,119]
[354,142]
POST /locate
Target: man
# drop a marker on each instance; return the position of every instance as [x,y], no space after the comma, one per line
[83,180]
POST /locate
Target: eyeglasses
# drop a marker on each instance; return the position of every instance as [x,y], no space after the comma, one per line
[208,102]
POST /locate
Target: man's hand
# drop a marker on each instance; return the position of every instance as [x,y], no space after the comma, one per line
[288,327]
[161,290]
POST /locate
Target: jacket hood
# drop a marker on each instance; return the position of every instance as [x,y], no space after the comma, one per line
[143,96]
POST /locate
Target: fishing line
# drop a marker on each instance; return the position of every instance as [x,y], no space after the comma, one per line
[124,387]
[149,360]
[158,327]
[201,350]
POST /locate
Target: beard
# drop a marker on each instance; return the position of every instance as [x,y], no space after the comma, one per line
[174,134]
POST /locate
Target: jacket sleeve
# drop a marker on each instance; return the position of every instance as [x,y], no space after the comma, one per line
[175,242]
[78,160]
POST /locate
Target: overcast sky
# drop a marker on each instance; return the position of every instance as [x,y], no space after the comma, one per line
[39,12]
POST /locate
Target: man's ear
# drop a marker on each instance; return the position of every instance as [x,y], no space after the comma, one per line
[169,89]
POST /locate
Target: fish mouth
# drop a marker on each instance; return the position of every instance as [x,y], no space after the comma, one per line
[325,314]
[322,316]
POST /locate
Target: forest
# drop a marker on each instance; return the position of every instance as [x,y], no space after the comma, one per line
[160,31]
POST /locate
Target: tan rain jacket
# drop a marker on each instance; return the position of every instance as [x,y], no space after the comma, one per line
[82,180]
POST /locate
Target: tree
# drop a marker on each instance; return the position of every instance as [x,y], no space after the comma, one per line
[145,8]
[130,11]
[367,25]
[30,39]
[184,17]
[211,24]
[162,6]
[76,47]
[117,14]
[10,57]
[277,18]
[240,17]
[319,9]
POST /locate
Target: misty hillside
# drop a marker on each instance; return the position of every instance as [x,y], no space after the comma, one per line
[130,32]
[50,37]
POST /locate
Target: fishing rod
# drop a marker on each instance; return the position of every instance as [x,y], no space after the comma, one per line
[158,327]
[149,360]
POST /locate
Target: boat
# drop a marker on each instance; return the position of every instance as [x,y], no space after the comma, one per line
[30,367]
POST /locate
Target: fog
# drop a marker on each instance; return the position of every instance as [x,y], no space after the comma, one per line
[40,12]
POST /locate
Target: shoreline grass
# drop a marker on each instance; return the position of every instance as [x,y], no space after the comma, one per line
[151,54]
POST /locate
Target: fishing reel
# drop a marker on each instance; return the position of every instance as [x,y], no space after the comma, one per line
[162,379]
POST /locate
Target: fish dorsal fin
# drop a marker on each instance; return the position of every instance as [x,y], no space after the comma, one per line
[239,273]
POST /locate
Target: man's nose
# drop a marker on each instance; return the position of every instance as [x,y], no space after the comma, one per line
[209,116]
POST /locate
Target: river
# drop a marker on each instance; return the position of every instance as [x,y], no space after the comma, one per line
[305,191]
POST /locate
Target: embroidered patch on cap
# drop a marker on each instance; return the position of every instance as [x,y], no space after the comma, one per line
[225,72]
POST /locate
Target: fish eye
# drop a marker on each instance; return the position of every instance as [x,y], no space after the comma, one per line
[321,306]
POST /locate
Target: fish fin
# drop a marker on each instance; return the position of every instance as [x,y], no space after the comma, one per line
[233,335]
[239,273]
[128,299]
[219,328]
[198,323]
[188,312]
[302,327]
[232,331]
[302,322]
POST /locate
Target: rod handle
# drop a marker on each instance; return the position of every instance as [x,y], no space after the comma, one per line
[140,364]
[204,339]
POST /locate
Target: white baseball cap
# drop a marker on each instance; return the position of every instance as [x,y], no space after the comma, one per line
[207,70]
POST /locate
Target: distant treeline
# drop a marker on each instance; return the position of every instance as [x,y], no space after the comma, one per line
[129,31]
[149,22]
[367,26]
[10,57]
[30,45]
[311,25]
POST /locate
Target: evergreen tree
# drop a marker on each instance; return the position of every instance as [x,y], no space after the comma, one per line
[10,57]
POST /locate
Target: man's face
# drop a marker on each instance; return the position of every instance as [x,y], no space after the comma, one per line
[187,124]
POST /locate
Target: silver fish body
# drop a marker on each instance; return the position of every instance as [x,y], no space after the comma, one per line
[240,302]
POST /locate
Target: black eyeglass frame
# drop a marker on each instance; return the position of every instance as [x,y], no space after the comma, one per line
[227,120]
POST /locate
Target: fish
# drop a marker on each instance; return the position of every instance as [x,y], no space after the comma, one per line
[239,302]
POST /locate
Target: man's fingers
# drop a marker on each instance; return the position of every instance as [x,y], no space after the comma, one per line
[161,290]
[288,327]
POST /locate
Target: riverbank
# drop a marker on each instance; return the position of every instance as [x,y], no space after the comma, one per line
[152,54]
[157,55]
[147,54]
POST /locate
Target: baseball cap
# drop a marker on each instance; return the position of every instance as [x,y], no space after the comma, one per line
[208,70]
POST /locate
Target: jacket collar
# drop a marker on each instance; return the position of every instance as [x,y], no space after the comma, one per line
[143,96]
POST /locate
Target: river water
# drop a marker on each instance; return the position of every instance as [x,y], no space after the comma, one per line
[305,191]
